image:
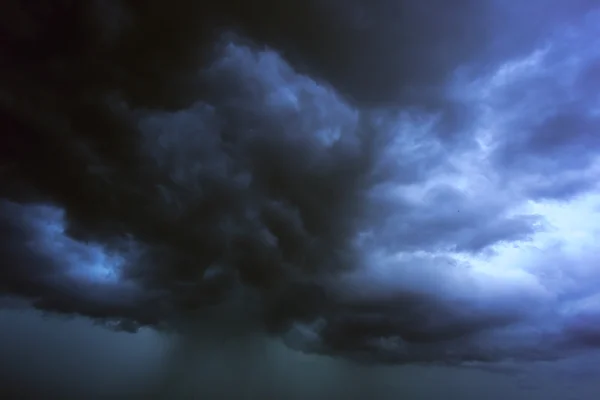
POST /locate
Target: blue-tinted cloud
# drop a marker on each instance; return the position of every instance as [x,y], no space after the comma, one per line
[390,192]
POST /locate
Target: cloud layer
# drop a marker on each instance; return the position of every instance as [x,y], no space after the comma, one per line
[347,177]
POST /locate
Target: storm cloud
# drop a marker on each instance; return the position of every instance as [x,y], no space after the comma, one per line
[387,182]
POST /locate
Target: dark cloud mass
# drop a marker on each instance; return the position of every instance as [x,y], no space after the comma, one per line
[158,161]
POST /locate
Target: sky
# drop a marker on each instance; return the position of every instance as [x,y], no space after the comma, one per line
[323,198]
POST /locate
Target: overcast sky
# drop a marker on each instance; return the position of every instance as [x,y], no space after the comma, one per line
[357,199]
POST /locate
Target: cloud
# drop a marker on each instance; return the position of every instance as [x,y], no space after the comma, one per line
[547,109]
[153,177]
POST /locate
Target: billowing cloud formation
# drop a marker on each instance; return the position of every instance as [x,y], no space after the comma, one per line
[369,186]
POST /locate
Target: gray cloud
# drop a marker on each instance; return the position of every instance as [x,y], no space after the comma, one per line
[451,220]
[553,109]
[171,160]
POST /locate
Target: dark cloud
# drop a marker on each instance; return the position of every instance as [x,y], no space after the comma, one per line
[411,46]
[42,265]
[158,162]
